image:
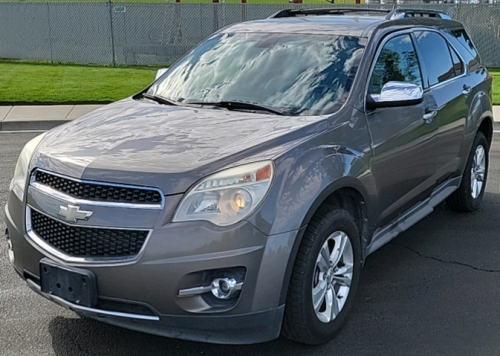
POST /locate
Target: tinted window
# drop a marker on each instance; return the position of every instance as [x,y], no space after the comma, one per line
[462,36]
[436,56]
[464,47]
[296,73]
[457,62]
[397,62]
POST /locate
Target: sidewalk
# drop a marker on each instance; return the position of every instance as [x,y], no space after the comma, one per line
[21,118]
[24,118]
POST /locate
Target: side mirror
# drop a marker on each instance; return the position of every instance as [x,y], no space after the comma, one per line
[160,72]
[395,94]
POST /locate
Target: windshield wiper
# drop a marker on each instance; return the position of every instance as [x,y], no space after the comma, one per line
[160,99]
[241,105]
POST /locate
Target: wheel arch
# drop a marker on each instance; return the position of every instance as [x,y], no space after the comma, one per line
[486,127]
[347,193]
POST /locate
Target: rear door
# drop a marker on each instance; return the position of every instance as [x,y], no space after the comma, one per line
[452,90]
[404,151]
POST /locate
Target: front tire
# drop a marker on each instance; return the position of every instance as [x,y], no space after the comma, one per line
[325,278]
[469,195]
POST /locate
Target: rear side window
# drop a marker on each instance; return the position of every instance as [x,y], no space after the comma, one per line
[397,62]
[436,56]
[462,36]
[463,45]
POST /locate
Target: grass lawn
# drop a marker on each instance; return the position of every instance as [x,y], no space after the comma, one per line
[496,85]
[30,83]
[25,83]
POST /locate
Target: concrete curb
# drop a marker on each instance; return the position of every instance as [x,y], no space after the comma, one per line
[496,117]
[27,125]
[40,117]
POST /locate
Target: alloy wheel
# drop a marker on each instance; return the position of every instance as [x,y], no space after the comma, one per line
[478,171]
[332,276]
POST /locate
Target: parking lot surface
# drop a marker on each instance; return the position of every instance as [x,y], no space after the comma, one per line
[434,290]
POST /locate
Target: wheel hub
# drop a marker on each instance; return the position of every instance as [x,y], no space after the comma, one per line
[478,171]
[329,276]
[332,276]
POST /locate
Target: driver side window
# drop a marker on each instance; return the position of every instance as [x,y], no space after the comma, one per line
[397,62]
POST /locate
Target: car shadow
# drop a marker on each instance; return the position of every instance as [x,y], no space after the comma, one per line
[84,336]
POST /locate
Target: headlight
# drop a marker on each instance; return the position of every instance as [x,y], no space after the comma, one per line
[18,182]
[228,196]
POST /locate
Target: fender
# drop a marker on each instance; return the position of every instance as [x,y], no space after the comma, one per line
[480,110]
[306,176]
[312,179]
[338,157]
[344,182]
[487,114]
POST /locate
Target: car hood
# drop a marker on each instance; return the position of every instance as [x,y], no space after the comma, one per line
[168,147]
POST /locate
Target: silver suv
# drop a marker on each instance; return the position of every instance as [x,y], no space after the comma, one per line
[238,196]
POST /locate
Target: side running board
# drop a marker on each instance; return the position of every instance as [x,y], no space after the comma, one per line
[383,235]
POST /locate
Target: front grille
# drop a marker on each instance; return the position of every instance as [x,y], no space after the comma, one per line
[98,192]
[87,242]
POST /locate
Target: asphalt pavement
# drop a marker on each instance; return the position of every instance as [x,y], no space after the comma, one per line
[434,290]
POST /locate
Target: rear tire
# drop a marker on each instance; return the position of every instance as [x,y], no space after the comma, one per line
[469,195]
[325,278]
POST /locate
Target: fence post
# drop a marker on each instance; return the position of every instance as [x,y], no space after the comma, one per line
[216,15]
[50,33]
[112,32]
[176,27]
[243,10]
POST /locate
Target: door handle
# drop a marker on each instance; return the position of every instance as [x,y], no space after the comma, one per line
[429,115]
[466,90]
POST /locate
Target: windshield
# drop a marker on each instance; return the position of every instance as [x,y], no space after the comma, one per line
[297,74]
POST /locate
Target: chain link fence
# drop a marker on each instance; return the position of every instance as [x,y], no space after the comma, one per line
[160,33]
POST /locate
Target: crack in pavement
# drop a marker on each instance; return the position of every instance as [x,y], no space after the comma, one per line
[445,261]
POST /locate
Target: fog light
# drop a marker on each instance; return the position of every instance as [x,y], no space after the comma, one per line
[224,284]
[224,288]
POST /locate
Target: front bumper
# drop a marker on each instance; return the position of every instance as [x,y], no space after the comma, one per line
[226,329]
[143,294]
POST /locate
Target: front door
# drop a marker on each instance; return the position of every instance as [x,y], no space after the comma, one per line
[403,138]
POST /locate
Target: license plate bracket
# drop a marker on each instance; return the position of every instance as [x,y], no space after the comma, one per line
[75,285]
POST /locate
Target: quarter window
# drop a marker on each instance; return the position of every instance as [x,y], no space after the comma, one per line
[457,62]
[462,36]
[397,62]
[436,56]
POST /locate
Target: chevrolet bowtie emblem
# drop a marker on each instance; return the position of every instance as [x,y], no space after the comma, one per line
[73,213]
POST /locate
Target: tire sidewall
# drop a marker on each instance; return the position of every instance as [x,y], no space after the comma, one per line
[335,221]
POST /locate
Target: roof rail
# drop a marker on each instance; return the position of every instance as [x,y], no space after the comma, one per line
[323,11]
[405,13]
[392,14]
